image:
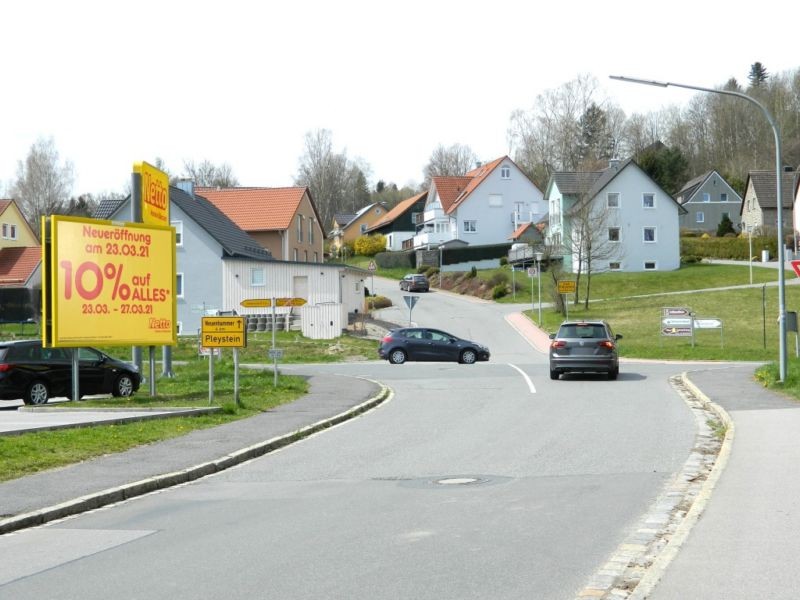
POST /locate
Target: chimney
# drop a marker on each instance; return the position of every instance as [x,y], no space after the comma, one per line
[478,164]
[187,185]
[613,164]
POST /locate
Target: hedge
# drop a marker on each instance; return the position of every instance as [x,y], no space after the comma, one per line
[731,248]
[392,260]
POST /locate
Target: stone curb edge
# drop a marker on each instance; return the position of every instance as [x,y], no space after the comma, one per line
[656,571]
[166,480]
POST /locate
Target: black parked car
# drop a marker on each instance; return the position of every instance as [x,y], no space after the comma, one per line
[37,374]
[584,347]
[422,343]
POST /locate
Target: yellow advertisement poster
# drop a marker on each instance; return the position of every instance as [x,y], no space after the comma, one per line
[112,284]
[155,194]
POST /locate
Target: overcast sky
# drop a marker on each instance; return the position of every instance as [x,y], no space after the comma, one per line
[242,82]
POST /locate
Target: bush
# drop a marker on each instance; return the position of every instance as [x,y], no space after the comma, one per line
[733,248]
[375,302]
[393,260]
[431,271]
[503,261]
[473,272]
[498,279]
[370,245]
[499,291]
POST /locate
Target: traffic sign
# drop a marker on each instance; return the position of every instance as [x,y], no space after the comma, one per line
[410,301]
[675,311]
[676,331]
[796,266]
[223,332]
[676,322]
[275,353]
[531,271]
[372,266]
[566,286]
[707,323]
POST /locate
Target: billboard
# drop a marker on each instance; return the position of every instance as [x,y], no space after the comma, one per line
[155,194]
[107,283]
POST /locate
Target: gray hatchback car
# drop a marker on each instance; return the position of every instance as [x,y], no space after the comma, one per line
[584,347]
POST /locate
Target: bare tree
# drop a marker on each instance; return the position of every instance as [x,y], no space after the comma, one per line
[207,174]
[43,184]
[454,160]
[336,183]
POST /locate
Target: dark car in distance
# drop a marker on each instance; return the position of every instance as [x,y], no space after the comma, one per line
[426,344]
[415,283]
[584,347]
[36,374]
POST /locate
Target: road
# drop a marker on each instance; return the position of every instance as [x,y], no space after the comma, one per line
[479,481]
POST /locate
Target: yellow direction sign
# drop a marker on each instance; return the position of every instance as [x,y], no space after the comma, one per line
[566,286]
[266,302]
[223,332]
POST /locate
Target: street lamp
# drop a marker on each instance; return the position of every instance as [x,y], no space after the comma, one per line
[538,257]
[778,200]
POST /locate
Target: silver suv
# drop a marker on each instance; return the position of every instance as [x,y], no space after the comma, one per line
[584,347]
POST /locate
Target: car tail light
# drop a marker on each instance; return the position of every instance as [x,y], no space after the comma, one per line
[5,367]
[558,344]
[606,344]
[386,339]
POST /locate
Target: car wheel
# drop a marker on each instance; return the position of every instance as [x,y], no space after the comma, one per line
[613,373]
[123,386]
[397,357]
[468,357]
[37,393]
[554,374]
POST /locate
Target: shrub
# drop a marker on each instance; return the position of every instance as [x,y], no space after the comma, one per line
[375,302]
[503,261]
[473,272]
[392,260]
[498,279]
[431,271]
[499,291]
[370,245]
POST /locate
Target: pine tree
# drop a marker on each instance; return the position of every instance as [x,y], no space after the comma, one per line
[758,74]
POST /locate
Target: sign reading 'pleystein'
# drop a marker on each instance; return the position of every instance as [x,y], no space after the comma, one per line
[223,332]
[111,283]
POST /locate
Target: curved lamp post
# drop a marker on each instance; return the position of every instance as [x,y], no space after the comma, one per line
[778,200]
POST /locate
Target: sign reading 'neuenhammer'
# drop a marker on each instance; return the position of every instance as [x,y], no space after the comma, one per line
[223,332]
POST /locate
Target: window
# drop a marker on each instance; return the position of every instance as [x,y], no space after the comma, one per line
[495,200]
[179,327]
[299,229]
[613,234]
[648,201]
[650,265]
[295,255]
[179,285]
[9,231]
[706,197]
[258,276]
[612,200]
[723,197]
[701,217]
[305,255]
[311,231]
[5,231]
[316,257]
[178,225]
[614,266]
[505,172]
[726,215]
[363,227]
[470,226]
[649,234]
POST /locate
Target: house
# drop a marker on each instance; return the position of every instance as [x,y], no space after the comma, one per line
[400,223]
[357,226]
[282,220]
[632,224]
[759,208]
[218,266]
[483,207]
[20,266]
[708,199]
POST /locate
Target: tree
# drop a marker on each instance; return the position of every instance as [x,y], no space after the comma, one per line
[666,166]
[725,227]
[758,74]
[337,184]
[207,174]
[455,160]
[43,184]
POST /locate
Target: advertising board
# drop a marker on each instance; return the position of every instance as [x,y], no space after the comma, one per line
[106,283]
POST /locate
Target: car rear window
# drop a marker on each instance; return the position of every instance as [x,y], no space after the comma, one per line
[588,330]
[3,352]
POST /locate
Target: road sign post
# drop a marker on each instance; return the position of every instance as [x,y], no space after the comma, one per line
[410,302]
[273,302]
[223,332]
[565,286]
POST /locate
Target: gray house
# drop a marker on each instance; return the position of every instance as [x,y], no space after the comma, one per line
[707,199]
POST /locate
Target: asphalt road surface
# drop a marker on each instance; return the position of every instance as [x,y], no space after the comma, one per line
[474,481]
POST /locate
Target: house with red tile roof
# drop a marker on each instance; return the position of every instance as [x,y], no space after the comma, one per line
[400,223]
[283,220]
[485,206]
[20,265]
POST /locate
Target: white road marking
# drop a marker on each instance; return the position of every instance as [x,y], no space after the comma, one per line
[525,376]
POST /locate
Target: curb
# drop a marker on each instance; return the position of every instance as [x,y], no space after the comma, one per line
[654,574]
[639,562]
[160,482]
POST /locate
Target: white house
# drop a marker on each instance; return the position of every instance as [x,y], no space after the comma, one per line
[485,206]
[629,221]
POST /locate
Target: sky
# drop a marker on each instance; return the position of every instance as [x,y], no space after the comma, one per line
[242,82]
